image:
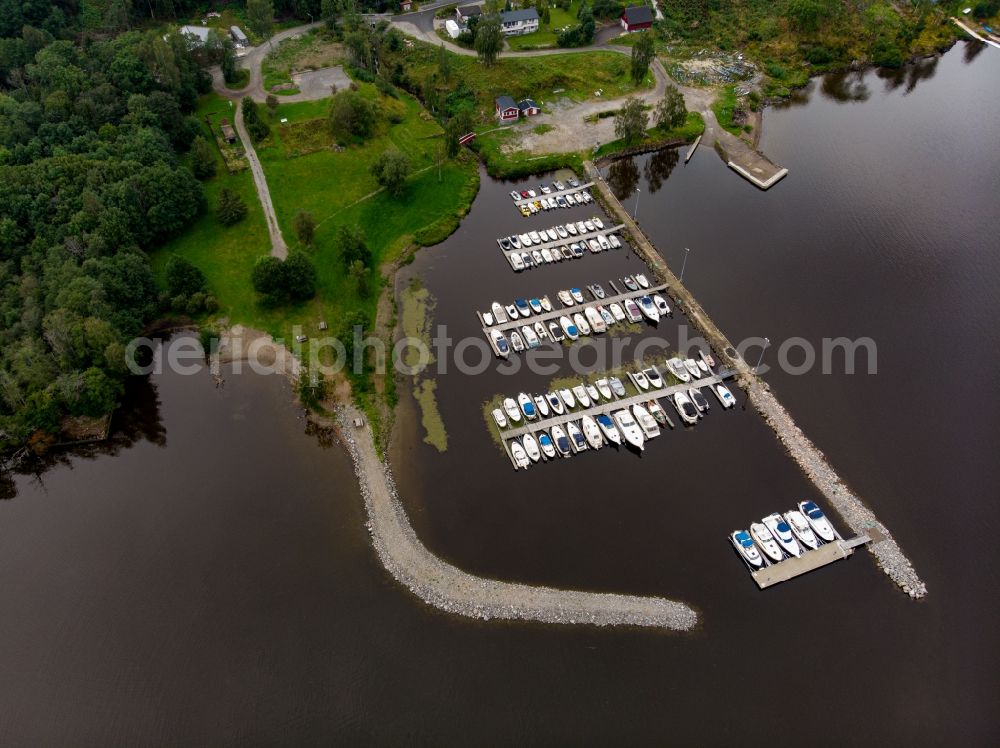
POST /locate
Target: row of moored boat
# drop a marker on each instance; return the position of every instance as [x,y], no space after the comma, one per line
[533,201]
[780,536]
[562,242]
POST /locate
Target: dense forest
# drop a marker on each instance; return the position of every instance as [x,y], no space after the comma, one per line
[92,132]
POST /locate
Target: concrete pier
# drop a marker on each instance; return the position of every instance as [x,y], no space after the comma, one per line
[790,568]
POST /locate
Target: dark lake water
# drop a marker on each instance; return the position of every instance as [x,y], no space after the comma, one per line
[212,581]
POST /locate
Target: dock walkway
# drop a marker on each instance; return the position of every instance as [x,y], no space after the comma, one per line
[554,193]
[793,567]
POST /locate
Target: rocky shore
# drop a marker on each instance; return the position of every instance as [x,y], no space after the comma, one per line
[450,589]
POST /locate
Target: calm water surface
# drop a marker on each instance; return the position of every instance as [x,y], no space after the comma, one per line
[212,580]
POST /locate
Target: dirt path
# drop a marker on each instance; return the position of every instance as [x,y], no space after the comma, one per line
[278,247]
[446,587]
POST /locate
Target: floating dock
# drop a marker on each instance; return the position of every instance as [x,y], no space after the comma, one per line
[811,560]
[692,149]
[554,193]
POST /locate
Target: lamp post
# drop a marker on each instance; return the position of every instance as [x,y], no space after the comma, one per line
[767,342]
[635,210]
[684,264]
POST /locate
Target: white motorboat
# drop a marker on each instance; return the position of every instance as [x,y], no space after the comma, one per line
[531,447]
[817,520]
[530,338]
[535,305]
[542,406]
[782,534]
[632,310]
[514,241]
[685,408]
[678,369]
[617,312]
[546,303]
[503,349]
[532,193]
[598,223]
[537,257]
[576,437]
[581,227]
[603,388]
[561,442]
[567,397]
[595,246]
[692,367]
[516,341]
[656,410]
[589,225]
[500,418]
[598,290]
[577,295]
[603,241]
[546,190]
[744,544]
[555,332]
[591,432]
[535,237]
[649,308]
[653,375]
[616,243]
[642,280]
[520,456]
[703,366]
[725,396]
[563,233]
[565,298]
[568,199]
[511,311]
[547,256]
[646,422]
[515,194]
[661,305]
[765,540]
[616,386]
[629,428]
[607,316]
[581,395]
[516,262]
[608,428]
[525,240]
[592,393]
[571,228]
[552,235]
[699,400]
[568,327]
[630,283]
[488,319]
[547,446]
[513,412]
[555,403]
[595,319]
[801,529]
[527,407]
[640,380]
[581,324]
[540,331]
[498,313]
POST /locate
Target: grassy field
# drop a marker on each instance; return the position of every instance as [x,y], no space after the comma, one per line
[690,130]
[337,189]
[723,107]
[546,36]
[516,164]
[309,52]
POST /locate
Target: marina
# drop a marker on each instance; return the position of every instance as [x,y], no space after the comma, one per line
[519,252]
[555,194]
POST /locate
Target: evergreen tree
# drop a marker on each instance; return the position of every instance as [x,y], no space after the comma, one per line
[231,209]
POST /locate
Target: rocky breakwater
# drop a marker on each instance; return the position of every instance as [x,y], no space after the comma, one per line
[446,587]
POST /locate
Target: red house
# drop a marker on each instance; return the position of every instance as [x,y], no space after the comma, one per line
[507,110]
[637,18]
[528,108]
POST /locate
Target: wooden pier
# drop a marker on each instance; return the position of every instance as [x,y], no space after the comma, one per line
[692,149]
[568,191]
[782,571]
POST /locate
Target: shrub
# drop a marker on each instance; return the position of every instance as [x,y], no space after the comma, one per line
[182,277]
[231,208]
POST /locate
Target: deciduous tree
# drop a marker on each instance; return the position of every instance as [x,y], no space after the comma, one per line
[631,120]
[489,39]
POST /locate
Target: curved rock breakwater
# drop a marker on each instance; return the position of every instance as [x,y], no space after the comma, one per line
[446,587]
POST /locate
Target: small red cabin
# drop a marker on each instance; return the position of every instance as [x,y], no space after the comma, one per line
[637,18]
[507,110]
[528,108]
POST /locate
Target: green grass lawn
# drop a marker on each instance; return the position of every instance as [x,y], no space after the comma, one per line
[547,34]
[723,107]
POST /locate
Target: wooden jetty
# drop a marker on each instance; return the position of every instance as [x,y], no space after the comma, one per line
[810,560]
[554,193]
[692,149]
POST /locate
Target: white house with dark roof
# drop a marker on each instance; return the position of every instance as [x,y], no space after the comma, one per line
[517,22]
[464,14]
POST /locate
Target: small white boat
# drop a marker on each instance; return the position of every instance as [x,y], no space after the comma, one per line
[598,223]
[513,412]
[592,393]
[515,194]
[542,406]
[642,280]
[546,445]
[685,408]
[500,418]
[595,246]
[703,366]
[488,319]
[546,190]
[540,331]
[567,397]
[570,202]
[516,262]
[617,312]
[817,520]
[537,257]
[577,295]
[568,327]
[519,455]
[555,403]
[589,225]
[531,447]
[801,529]
[498,314]
[535,305]
[571,228]
[515,242]
[535,237]
[656,410]
[608,428]
[616,243]
[653,375]
[603,388]
[547,256]
[563,233]
[678,369]
[525,240]
[511,312]
[546,303]
[516,341]
[503,349]
[576,437]
[616,386]
[692,367]
[581,324]
[607,316]
[629,428]
[565,298]
[530,338]
[552,235]
[560,439]
[527,407]
[640,380]
[581,227]
[649,308]
[555,332]
[725,396]
[591,432]
[782,534]
[630,283]
[603,241]
[646,422]
[595,319]
[661,305]
[765,540]
[581,395]
[699,400]
[632,310]
[744,544]
[532,193]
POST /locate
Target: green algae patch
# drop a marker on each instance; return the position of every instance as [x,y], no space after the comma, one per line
[430,417]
